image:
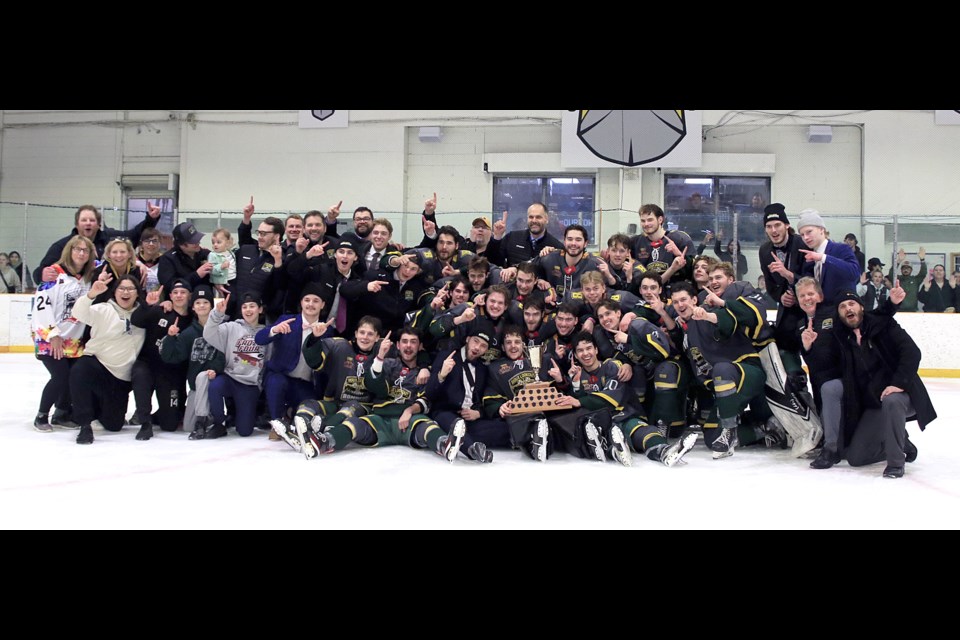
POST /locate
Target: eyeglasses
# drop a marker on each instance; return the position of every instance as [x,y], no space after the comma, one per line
[363,219]
[265,233]
[81,250]
[126,288]
[151,241]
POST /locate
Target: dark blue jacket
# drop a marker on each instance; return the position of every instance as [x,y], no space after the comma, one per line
[841,271]
[286,346]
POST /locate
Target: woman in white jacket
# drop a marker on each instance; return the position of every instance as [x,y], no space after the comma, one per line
[102,375]
[57,334]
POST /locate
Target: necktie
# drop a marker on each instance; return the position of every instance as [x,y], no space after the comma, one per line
[818,272]
[341,322]
[374,261]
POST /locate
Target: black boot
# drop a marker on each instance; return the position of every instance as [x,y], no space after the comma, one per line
[826,459]
[910,450]
[199,428]
[86,434]
[146,431]
[218,430]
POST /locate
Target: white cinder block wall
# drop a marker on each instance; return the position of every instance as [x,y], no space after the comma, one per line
[903,164]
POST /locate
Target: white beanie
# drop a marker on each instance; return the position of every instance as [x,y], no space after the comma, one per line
[810,218]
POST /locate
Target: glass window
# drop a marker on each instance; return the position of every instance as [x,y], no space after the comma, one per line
[569,200]
[698,204]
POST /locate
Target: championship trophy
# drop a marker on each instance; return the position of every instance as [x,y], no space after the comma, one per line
[535,397]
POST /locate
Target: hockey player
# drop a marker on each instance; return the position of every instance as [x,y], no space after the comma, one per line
[657,250]
[593,291]
[395,296]
[444,261]
[622,266]
[398,412]
[505,378]
[563,269]
[346,394]
[724,361]
[462,319]
[641,347]
[558,334]
[595,385]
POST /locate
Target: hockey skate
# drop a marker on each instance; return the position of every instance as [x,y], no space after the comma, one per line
[774,435]
[662,429]
[449,446]
[725,443]
[673,454]
[538,444]
[619,447]
[478,452]
[593,440]
[303,435]
[291,439]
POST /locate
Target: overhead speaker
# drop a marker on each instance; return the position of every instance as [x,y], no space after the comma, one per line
[431,134]
[820,133]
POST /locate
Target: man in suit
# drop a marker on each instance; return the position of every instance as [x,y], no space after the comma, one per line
[457,380]
[523,244]
[289,380]
[832,264]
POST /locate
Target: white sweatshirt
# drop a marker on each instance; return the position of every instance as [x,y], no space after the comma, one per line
[113,340]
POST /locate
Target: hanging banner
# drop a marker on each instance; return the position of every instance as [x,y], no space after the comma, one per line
[642,138]
[323,119]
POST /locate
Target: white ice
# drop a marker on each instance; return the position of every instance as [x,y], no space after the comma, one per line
[47,481]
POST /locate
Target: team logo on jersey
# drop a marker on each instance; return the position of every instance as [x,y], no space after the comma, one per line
[408,295]
[643,254]
[348,363]
[266,267]
[505,367]
[428,254]
[827,324]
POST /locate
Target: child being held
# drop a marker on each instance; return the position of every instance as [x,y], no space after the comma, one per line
[223,259]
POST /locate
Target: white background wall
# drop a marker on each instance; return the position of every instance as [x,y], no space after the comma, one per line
[903,164]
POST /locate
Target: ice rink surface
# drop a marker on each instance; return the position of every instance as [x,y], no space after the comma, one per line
[47,481]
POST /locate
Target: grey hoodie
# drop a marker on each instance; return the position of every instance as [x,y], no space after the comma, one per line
[236,340]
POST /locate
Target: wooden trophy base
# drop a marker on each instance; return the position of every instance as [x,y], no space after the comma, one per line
[536,397]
